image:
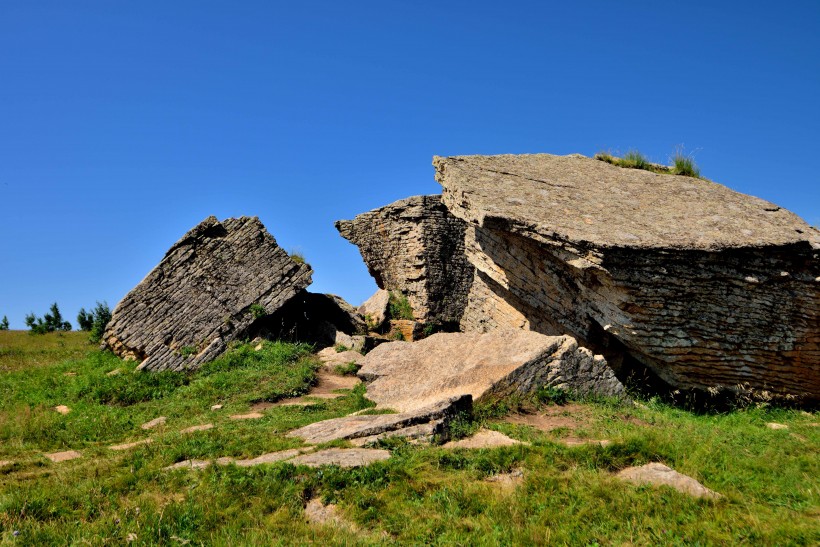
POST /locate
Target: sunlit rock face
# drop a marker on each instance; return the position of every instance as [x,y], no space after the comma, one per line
[707,287]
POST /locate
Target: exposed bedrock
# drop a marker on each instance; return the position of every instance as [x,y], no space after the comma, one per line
[416,246]
[208,289]
[707,287]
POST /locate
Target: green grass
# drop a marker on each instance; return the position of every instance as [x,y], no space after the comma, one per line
[421,495]
[399,307]
[682,164]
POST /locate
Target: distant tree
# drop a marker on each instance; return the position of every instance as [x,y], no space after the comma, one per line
[4,324]
[85,320]
[51,321]
[100,317]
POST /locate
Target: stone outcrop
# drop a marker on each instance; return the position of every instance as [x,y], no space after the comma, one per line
[706,287]
[416,246]
[659,474]
[408,376]
[208,290]
[374,309]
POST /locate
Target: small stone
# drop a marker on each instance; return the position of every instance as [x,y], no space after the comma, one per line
[343,457]
[485,438]
[773,425]
[128,446]
[70,374]
[57,457]
[154,423]
[4,463]
[193,428]
[130,538]
[189,464]
[115,372]
[62,409]
[661,475]
[575,441]
[249,416]
[508,480]
[317,512]
[216,407]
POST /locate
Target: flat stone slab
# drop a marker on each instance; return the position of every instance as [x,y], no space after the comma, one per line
[189,464]
[271,457]
[62,409]
[154,423]
[772,425]
[484,438]
[249,416]
[575,441]
[57,457]
[4,463]
[343,457]
[370,425]
[408,376]
[115,372]
[659,474]
[216,407]
[194,428]
[128,446]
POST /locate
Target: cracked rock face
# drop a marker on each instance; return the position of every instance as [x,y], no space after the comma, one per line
[707,287]
[409,376]
[416,246]
[208,289]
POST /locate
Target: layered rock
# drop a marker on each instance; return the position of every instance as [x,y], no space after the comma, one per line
[416,247]
[408,376]
[707,287]
[208,289]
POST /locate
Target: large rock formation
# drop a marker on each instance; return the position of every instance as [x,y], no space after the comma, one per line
[707,287]
[416,247]
[408,376]
[208,289]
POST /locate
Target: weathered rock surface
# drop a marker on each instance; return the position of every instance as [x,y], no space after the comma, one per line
[707,287]
[661,475]
[65,456]
[343,457]
[374,309]
[422,423]
[208,289]
[415,246]
[409,376]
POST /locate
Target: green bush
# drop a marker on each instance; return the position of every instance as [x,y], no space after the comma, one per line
[95,321]
[258,311]
[684,165]
[4,324]
[399,307]
[50,322]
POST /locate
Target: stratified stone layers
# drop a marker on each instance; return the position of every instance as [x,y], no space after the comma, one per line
[707,287]
[207,290]
[417,247]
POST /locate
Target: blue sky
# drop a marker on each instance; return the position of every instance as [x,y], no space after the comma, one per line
[124,124]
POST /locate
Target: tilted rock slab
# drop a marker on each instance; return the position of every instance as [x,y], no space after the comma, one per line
[707,287]
[409,376]
[203,294]
[661,475]
[417,247]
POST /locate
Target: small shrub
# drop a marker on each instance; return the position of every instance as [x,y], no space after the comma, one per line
[635,160]
[399,307]
[398,335]
[4,324]
[297,257]
[258,311]
[100,316]
[187,351]
[341,348]
[50,322]
[347,369]
[683,164]
[551,395]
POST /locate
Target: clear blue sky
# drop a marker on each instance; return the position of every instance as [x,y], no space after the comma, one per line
[124,124]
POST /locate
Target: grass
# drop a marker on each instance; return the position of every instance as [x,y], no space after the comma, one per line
[682,164]
[399,307]
[421,495]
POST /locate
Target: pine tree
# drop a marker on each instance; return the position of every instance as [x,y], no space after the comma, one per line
[4,324]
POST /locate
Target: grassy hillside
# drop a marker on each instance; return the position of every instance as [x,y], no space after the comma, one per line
[769,478]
